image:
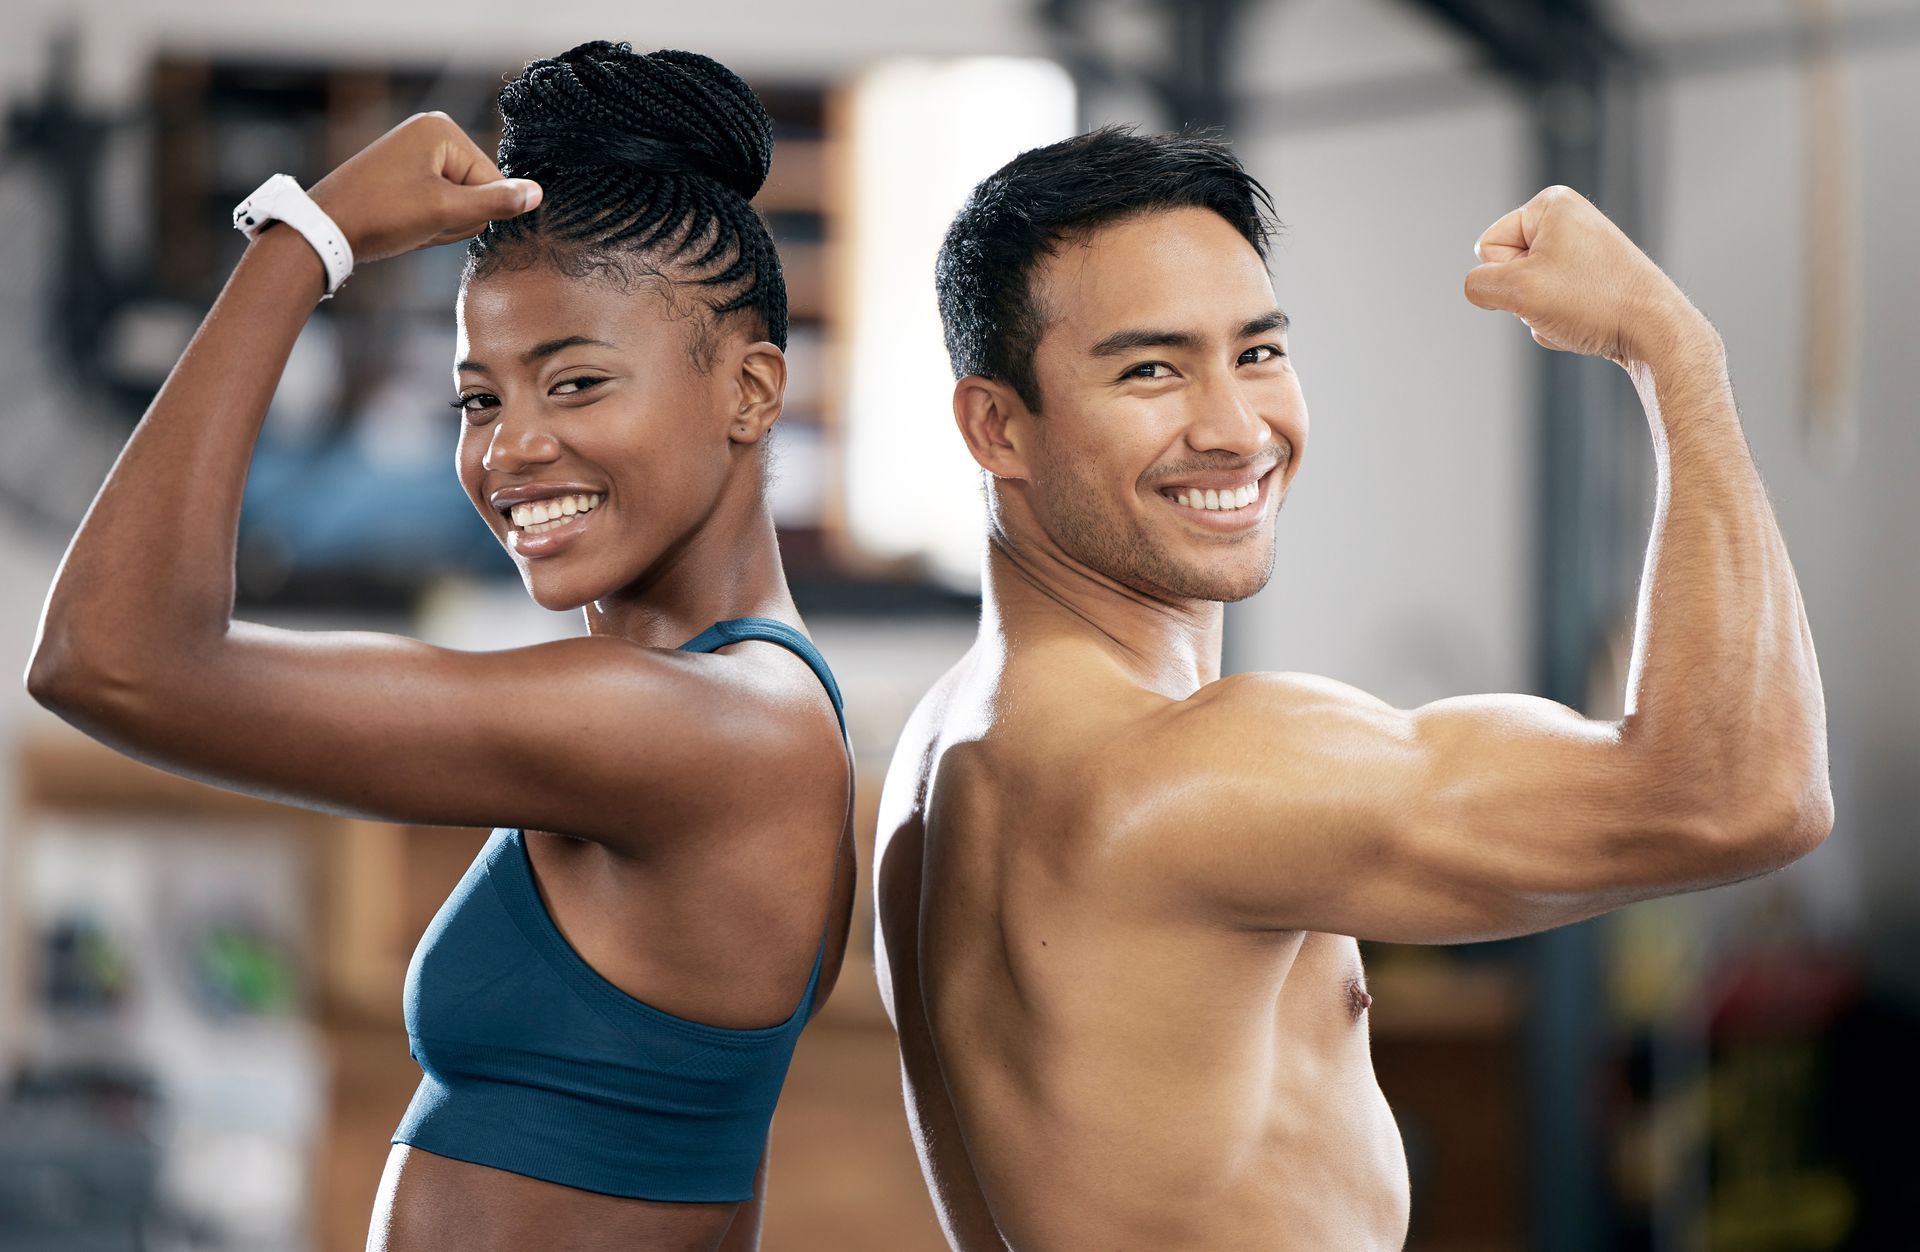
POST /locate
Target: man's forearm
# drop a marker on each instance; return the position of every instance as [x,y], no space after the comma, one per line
[1723,686]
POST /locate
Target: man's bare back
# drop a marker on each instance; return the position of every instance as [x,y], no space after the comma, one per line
[1113,887]
[1133,1073]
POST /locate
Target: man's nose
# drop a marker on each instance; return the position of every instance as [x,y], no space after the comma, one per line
[1225,420]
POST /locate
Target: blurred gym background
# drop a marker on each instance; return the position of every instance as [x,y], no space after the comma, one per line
[200,1038]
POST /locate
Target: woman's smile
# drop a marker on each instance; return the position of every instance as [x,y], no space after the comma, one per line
[547,526]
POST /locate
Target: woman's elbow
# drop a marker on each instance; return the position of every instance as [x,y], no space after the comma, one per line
[50,672]
[82,687]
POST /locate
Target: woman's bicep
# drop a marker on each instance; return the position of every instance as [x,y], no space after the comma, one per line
[569,735]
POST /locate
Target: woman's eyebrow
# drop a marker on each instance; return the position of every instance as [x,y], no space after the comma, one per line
[539,350]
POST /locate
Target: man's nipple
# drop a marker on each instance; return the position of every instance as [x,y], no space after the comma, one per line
[1358,1001]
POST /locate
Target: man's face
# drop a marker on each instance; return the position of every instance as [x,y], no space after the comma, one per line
[1164,378]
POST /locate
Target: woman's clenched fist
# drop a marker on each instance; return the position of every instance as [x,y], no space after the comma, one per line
[422,183]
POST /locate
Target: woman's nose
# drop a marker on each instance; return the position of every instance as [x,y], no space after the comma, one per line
[518,444]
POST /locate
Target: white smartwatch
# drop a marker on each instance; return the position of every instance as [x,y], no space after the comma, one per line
[280,199]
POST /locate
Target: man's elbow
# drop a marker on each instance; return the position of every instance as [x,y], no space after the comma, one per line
[1791,822]
[1812,819]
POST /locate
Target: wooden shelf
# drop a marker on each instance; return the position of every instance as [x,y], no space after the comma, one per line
[373,889]
[65,770]
[797,182]
[1443,999]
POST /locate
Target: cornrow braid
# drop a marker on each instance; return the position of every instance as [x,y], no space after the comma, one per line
[648,162]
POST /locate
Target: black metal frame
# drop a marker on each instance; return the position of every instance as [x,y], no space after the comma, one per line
[1566,60]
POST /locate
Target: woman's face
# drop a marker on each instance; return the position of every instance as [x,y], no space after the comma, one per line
[588,439]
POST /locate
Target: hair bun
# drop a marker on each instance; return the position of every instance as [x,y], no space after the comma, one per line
[669,112]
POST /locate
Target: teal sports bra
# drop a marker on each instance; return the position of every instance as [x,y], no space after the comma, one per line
[531,1062]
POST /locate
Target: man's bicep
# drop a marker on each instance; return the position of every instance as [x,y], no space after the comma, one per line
[1314,806]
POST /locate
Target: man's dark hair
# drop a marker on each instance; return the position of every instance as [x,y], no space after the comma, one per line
[1026,209]
[647,162]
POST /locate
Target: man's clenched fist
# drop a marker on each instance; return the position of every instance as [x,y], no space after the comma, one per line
[1561,266]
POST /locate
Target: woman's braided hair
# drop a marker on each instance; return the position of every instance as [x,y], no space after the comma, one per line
[647,161]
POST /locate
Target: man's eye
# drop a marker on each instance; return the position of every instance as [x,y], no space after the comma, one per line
[1261,354]
[1146,370]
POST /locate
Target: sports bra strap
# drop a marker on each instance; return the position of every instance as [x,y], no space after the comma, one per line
[766,629]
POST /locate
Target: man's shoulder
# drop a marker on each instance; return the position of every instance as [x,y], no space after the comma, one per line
[1131,758]
[1044,740]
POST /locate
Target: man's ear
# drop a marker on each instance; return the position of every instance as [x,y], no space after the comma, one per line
[759,374]
[996,424]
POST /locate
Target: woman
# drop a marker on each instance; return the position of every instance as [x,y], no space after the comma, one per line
[605,1007]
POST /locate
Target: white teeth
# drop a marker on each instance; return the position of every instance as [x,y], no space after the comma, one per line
[538,515]
[1217,501]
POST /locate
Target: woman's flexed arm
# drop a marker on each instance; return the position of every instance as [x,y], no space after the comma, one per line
[148,579]
[137,646]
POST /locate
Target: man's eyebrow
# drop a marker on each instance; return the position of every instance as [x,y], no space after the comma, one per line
[539,350]
[1276,320]
[1124,341]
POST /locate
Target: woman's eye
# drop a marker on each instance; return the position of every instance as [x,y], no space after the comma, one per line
[583,382]
[1261,354]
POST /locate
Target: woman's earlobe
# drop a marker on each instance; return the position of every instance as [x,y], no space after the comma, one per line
[752,422]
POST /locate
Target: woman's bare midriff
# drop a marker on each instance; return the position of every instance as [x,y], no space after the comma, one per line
[430,1203]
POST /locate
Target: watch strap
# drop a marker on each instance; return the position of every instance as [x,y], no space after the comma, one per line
[281,199]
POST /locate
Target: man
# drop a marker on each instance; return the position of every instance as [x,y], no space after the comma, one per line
[1119,894]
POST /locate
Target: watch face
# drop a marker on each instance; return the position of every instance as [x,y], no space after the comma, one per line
[256,210]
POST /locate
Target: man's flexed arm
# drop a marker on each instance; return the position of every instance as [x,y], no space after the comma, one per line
[1326,809]
[1723,664]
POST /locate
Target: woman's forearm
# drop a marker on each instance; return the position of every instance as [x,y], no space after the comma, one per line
[148,579]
